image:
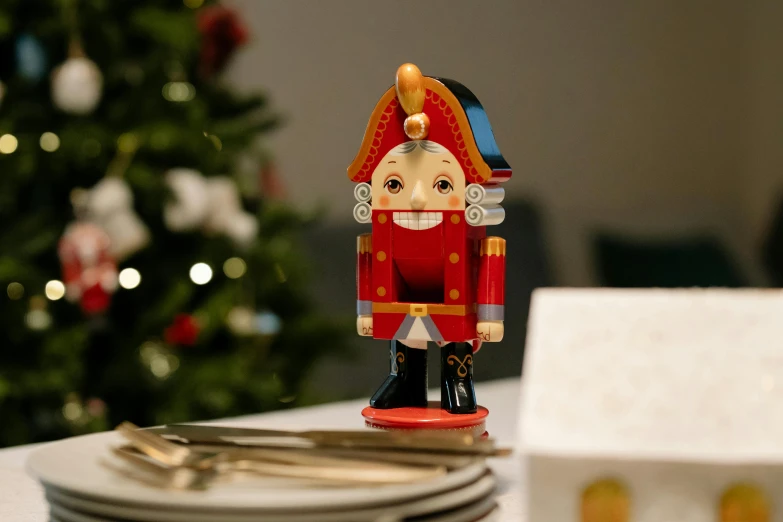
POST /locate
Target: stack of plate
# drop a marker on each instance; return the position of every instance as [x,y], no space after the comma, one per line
[85,482]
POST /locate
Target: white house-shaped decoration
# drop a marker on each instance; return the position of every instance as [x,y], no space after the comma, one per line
[654,406]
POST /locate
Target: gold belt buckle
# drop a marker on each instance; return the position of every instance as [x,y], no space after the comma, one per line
[418,310]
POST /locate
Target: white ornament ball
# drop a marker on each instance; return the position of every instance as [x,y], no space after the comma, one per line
[191,200]
[77,85]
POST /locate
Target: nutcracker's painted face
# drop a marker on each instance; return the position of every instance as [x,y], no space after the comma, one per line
[418,176]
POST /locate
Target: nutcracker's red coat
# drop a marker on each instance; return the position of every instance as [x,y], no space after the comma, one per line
[439,266]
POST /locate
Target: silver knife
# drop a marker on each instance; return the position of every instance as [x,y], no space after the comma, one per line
[446,442]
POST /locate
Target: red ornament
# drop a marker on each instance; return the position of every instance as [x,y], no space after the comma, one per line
[272,187]
[183,331]
[95,300]
[221,33]
[89,271]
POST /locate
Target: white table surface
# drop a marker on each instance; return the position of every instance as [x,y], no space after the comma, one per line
[21,498]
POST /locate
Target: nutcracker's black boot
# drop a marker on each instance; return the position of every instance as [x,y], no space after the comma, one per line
[406,384]
[456,370]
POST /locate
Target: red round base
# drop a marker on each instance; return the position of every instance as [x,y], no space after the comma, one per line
[429,418]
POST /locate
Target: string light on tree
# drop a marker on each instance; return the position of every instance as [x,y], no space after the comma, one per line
[72,410]
[160,367]
[31,58]
[15,291]
[8,144]
[49,141]
[54,290]
[268,323]
[241,321]
[201,273]
[234,267]
[179,91]
[160,362]
[37,317]
[129,278]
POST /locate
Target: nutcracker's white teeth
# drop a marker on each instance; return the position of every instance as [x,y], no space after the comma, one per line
[418,220]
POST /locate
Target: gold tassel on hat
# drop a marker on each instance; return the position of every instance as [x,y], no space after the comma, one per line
[409,84]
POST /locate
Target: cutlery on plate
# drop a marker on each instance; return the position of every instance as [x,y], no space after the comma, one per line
[418,458]
[157,474]
[275,463]
[445,442]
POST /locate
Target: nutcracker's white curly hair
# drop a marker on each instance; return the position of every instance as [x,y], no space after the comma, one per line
[483,202]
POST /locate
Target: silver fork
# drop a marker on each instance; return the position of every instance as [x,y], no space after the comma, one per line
[276,462]
[155,473]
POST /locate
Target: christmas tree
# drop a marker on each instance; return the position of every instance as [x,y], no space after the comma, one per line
[148,276]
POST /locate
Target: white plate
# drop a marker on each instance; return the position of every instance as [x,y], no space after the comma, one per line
[485,510]
[84,466]
[481,489]
[482,511]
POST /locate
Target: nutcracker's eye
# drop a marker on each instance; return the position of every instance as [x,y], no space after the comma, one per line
[393,185]
[443,184]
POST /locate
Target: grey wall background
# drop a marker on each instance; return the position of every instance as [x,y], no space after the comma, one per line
[648,117]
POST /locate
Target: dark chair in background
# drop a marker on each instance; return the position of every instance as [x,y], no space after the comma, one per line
[698,261]
[772,252]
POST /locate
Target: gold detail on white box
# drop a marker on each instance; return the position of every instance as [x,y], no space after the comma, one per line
[605,501]
[744,503]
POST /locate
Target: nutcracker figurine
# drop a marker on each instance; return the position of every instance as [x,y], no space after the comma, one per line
[428,177]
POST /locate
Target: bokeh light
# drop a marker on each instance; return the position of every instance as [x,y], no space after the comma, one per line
[234,267]
[54,290]
[72,410]
[160,367]
[15,291]
[38,319]
[49,141]
[241,320]
[179,91]
[201,273]
[129,278]
[8,143]
[161,362]
[268,323]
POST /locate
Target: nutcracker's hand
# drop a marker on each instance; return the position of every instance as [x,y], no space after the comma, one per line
[490,331]
[364,325]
